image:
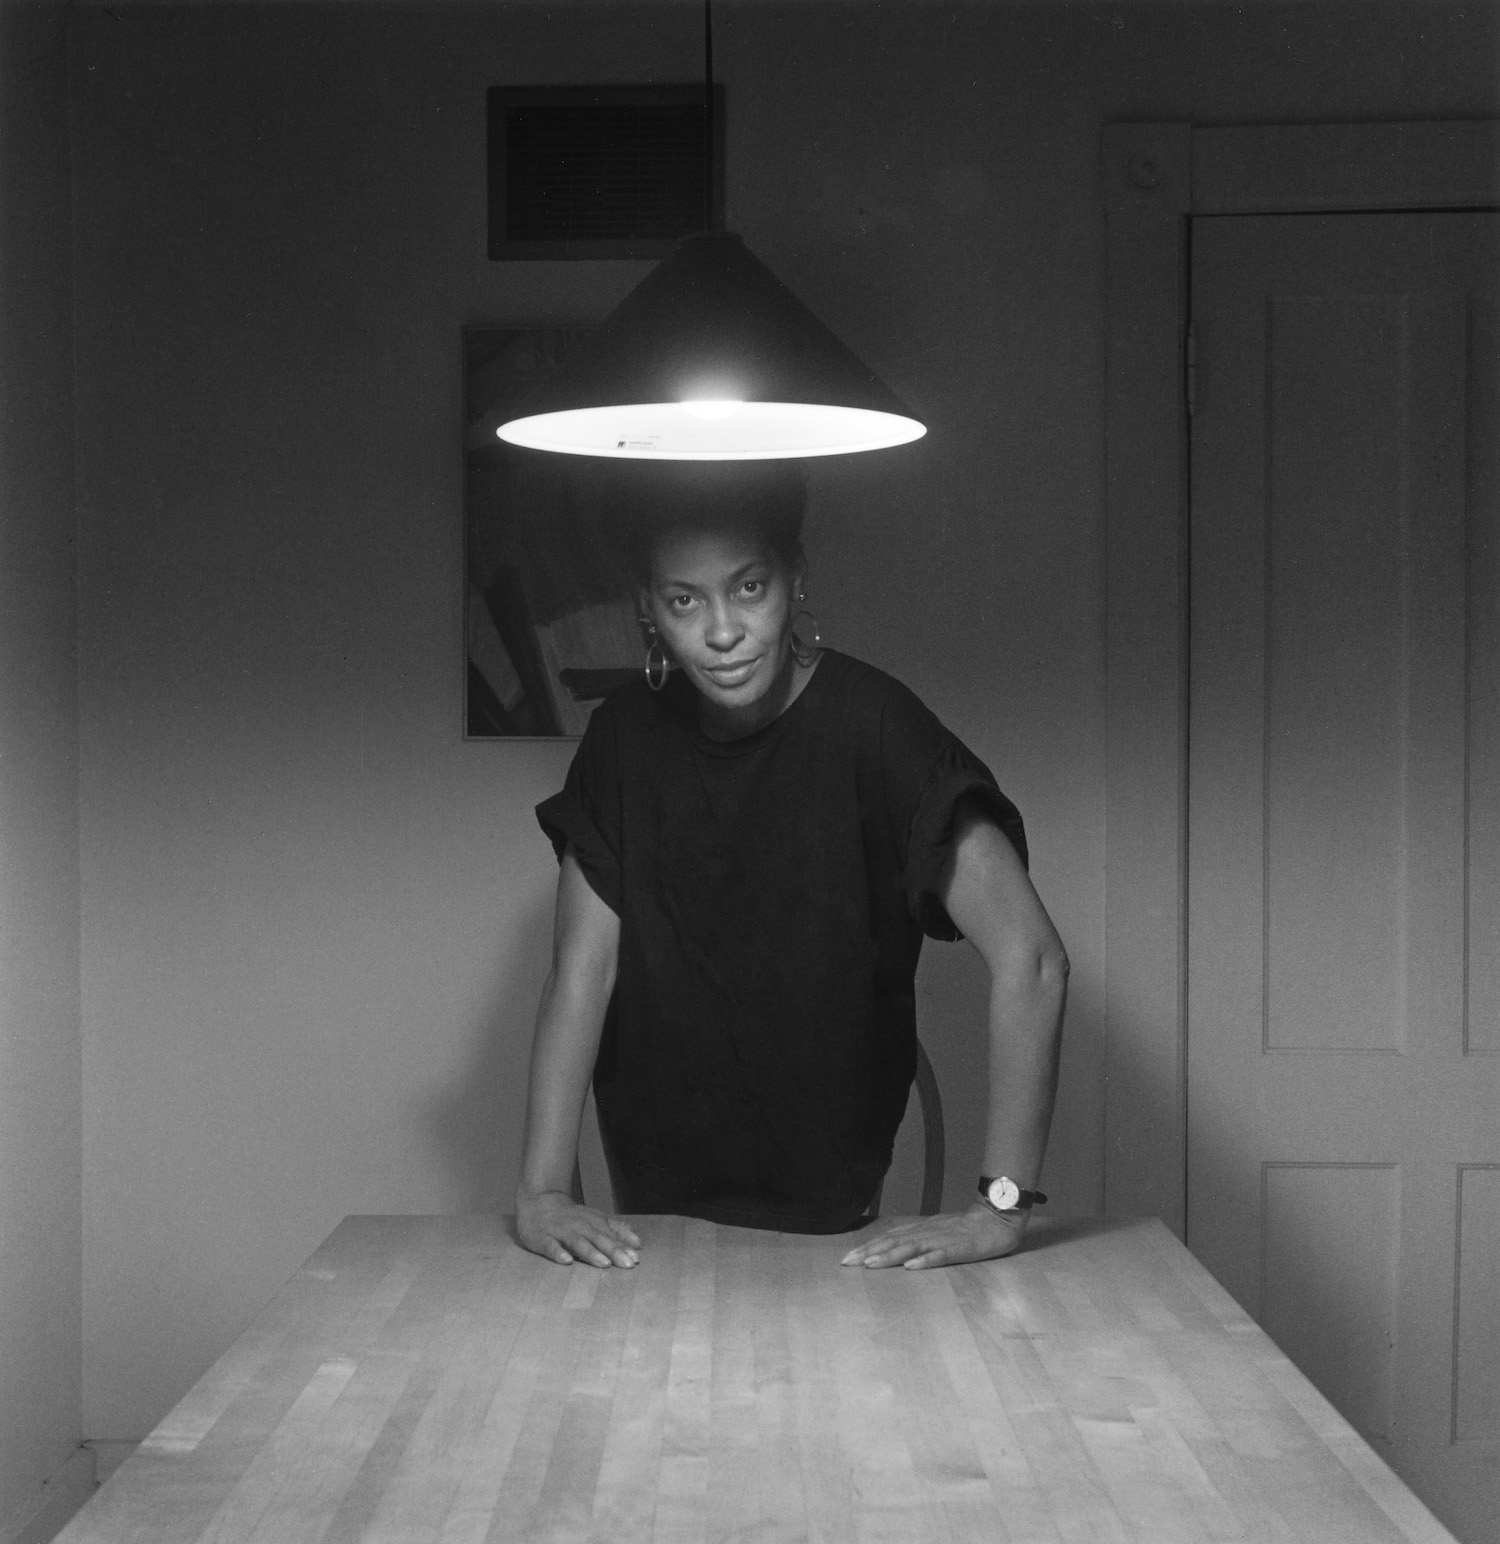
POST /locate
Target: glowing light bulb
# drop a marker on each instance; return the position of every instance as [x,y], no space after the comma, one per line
[714,408]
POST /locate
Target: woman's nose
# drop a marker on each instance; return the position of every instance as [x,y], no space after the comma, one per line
[724,630]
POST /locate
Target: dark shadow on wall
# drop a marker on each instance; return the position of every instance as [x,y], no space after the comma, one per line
[1150,1147]
[476,1124]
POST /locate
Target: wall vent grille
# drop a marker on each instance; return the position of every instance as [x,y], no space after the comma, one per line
[598,171]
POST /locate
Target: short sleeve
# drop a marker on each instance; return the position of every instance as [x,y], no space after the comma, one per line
[928,772]
[587,811]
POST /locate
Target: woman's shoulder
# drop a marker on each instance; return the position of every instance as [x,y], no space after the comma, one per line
[867,690]
[855,675]
[877,717]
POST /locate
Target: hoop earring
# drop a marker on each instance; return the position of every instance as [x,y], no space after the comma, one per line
[806,652]
[657,664]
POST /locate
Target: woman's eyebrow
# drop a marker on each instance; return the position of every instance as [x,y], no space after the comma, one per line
[688,584]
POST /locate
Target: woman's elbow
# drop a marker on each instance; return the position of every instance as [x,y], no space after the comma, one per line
[1053,966]
[1035,973]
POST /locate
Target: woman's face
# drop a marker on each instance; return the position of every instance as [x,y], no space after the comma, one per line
[722,602]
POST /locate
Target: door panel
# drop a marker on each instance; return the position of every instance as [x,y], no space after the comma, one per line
[1344,768]
[1337,556]
[1329,1280]
[1476,1404]
[1482,979]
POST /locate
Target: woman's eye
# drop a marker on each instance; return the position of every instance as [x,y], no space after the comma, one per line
[753,586]
[680,602]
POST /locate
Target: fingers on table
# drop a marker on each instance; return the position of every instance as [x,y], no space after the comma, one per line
[904,1252]
[952,1252]
[624,1232]
[918,1247]
[927,1258]
[604,1248]
[594,1246]
[889,1248]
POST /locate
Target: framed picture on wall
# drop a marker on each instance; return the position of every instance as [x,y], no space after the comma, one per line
[549,622]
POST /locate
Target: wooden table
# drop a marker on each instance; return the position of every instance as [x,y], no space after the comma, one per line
[423,1378]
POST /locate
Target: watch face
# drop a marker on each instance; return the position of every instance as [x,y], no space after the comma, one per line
[1004,1194]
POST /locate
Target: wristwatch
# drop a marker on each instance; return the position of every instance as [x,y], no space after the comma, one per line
[1004,1195]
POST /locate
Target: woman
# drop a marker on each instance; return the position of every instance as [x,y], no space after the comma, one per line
[752,846]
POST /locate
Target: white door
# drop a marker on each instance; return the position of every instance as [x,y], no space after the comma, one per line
[1344,820]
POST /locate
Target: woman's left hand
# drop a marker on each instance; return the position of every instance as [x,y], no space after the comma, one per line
[949,1238]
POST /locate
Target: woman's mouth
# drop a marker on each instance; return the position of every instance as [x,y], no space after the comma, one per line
[732,674]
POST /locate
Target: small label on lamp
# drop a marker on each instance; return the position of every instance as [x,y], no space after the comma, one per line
[640,442]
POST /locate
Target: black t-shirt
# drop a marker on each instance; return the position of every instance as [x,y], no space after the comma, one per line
[772,892]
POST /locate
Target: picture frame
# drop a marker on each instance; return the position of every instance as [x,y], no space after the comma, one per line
[549,621]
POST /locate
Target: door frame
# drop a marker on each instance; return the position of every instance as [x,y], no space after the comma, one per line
[1156,178]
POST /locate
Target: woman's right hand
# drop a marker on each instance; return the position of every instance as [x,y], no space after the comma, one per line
[555,1226]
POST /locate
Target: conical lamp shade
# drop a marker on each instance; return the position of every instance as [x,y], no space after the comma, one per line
[711,357]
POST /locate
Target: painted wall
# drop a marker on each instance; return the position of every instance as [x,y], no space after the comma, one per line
[315,920]
[40,1123]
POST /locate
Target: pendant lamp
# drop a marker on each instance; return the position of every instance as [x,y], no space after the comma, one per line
[712,358]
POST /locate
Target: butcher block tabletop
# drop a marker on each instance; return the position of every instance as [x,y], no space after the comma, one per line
[424,1378]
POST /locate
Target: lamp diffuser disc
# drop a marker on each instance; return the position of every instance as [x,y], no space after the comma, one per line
[711,357]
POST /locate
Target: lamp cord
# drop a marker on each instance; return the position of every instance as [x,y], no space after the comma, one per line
[708,115]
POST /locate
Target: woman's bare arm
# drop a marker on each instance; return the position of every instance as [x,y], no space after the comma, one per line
[585,954]
[991,900]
